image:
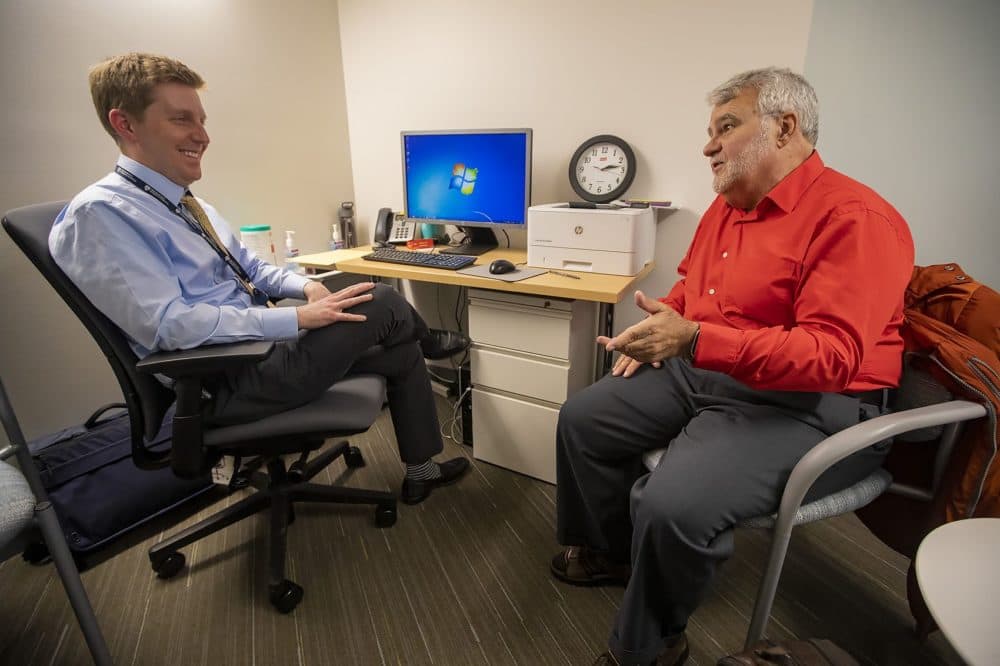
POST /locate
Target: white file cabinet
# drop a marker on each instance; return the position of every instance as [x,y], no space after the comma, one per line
[529,353]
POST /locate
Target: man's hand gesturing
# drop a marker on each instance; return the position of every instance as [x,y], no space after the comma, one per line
[661,335]
[325,309]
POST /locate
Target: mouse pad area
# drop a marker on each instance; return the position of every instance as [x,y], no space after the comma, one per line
[521,273]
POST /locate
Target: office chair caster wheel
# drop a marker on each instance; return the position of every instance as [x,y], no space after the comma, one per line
[353,457]
[286,595]
[169,565]
[385,515]
[36,553]
[239,482]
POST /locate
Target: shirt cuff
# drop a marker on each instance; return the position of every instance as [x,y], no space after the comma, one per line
[294,285]
[278,323]
[718,347]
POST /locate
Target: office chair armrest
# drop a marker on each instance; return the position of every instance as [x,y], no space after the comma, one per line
[187,367]
[205,360]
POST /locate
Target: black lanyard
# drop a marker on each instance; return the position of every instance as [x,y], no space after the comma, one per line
[258,296]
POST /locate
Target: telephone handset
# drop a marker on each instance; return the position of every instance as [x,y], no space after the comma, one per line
[392,228]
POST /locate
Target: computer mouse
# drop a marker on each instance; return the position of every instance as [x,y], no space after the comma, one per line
[501,266]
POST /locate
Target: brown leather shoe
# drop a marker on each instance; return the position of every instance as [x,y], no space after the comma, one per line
[579,565]
[673,655]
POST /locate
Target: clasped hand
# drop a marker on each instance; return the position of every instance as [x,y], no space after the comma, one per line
[662,334]
[324,308]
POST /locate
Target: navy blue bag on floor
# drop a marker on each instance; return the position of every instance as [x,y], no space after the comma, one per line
[97,492]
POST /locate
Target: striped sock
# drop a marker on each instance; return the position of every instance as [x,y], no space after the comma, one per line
[423,471]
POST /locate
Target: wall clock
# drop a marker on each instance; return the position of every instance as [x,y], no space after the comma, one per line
[602,168]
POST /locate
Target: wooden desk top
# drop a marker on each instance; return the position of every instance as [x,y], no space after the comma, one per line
[596,287]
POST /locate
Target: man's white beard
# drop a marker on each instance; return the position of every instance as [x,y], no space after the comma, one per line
[741,165]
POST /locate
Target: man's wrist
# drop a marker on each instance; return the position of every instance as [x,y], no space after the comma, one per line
[689,354]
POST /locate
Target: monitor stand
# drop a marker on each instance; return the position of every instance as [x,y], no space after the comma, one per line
[478,240]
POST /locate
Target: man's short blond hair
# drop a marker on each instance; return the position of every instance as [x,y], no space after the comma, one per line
[126,82]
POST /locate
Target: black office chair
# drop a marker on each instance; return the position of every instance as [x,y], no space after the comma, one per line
[349,407]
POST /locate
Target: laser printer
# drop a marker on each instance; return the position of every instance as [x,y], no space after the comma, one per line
[618,241]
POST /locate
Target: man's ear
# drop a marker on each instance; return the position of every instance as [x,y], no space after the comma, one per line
[788,123]
[121,123]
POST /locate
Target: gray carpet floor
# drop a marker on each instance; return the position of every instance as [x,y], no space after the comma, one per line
[460,579]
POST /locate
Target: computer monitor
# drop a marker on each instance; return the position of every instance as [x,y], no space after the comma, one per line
[474,179]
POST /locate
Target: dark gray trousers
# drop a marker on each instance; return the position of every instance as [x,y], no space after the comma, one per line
[298,371]
[730,450]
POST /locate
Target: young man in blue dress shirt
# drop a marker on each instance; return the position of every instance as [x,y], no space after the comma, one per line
[146,254]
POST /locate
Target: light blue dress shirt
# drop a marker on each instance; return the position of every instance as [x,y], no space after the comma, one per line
[158,280]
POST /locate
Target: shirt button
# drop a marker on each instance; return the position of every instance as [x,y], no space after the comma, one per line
[725,254]
[949,267]
[711,292]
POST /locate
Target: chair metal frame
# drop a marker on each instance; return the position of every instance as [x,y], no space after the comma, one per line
[827,453]
[820,458]
[46,522]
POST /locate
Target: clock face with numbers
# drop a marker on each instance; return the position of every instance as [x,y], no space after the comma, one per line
[602,169]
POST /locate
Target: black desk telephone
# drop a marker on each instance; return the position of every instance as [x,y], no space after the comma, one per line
[392,228]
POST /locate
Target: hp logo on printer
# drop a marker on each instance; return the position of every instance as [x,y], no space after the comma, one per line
[578,230]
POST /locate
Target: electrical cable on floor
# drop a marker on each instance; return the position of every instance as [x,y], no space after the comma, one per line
[455,422]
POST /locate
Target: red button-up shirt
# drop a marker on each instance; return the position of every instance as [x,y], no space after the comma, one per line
[805,291]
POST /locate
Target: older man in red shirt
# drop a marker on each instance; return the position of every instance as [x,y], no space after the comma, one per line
[783,329]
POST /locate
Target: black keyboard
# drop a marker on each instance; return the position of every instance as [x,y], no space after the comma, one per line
[449,262]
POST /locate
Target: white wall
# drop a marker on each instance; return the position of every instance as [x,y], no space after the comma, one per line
[279,153]
[909,97]
[639,70]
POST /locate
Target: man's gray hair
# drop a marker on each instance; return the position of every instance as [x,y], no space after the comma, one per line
[778,90]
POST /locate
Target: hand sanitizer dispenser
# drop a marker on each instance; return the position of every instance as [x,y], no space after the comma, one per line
[291,252]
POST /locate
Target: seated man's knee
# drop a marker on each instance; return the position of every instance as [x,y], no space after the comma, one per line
[575,414]
[382,291]
[674,508]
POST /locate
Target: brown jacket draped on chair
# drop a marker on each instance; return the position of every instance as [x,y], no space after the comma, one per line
[954,322]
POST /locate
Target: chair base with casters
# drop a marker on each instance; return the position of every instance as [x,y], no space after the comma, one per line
[27,512]
[348,407]
[821,457]
[277,491]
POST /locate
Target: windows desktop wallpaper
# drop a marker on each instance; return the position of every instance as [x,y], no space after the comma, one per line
[474,178]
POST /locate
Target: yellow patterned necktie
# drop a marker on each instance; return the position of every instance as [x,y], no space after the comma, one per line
[198,213]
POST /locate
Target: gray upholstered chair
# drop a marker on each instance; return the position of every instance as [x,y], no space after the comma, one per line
[25,512]
[348,407]
[921,404]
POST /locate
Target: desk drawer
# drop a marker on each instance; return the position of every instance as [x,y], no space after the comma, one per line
[515,434]
[536,330]
[534,377]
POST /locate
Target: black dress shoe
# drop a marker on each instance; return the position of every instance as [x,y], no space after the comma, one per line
[438,344]
[452,470]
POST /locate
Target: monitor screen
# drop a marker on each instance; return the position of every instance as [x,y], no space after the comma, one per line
[467,177]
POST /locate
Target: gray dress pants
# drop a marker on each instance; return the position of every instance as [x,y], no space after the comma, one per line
[730,450]
[298,371]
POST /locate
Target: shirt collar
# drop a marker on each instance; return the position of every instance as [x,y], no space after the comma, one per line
[786,194]
[168,188]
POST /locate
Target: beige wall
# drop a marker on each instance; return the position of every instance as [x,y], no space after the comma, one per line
[639,70]
[279,153]
[283,102]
